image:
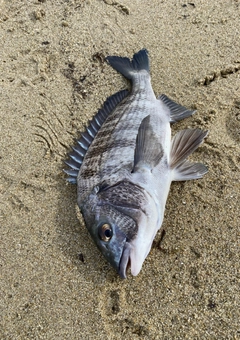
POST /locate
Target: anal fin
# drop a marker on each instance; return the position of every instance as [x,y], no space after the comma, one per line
[177,112]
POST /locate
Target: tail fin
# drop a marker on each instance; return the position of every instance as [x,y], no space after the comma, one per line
[128,67]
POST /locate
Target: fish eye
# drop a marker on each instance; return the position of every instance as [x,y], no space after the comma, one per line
[105,232]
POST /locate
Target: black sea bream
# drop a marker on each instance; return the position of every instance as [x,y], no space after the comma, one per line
[124,163]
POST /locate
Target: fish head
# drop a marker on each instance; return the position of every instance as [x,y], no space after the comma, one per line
[119,228]
[110,229]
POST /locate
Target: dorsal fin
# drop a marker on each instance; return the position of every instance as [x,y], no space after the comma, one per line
[82,144]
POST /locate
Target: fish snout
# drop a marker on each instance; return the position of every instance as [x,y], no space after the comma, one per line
[125,261]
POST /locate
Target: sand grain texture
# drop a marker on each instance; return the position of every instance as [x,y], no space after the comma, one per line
[54,282]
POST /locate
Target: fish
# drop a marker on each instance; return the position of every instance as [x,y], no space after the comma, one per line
[124,163]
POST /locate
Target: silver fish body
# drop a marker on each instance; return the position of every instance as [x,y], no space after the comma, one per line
[124,165]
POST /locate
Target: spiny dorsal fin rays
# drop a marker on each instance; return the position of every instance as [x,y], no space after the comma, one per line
[83,143]
[148,151]
[177,112]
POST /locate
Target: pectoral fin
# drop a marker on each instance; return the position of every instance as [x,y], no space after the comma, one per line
[177,112]
[148,151]
[184,143]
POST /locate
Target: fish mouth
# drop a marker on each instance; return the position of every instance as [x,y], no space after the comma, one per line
[125,261]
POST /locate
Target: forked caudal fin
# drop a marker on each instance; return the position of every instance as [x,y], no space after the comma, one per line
[183,144]
[129,67]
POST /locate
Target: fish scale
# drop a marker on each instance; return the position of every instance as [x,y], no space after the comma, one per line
[111,152]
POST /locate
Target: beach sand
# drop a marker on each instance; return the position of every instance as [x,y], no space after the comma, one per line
[54,282]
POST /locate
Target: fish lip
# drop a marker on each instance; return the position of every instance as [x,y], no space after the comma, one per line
[124,261]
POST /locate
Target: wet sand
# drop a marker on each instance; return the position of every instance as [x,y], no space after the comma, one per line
[54,282]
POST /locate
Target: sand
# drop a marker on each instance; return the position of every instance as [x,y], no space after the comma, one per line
[54,282]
